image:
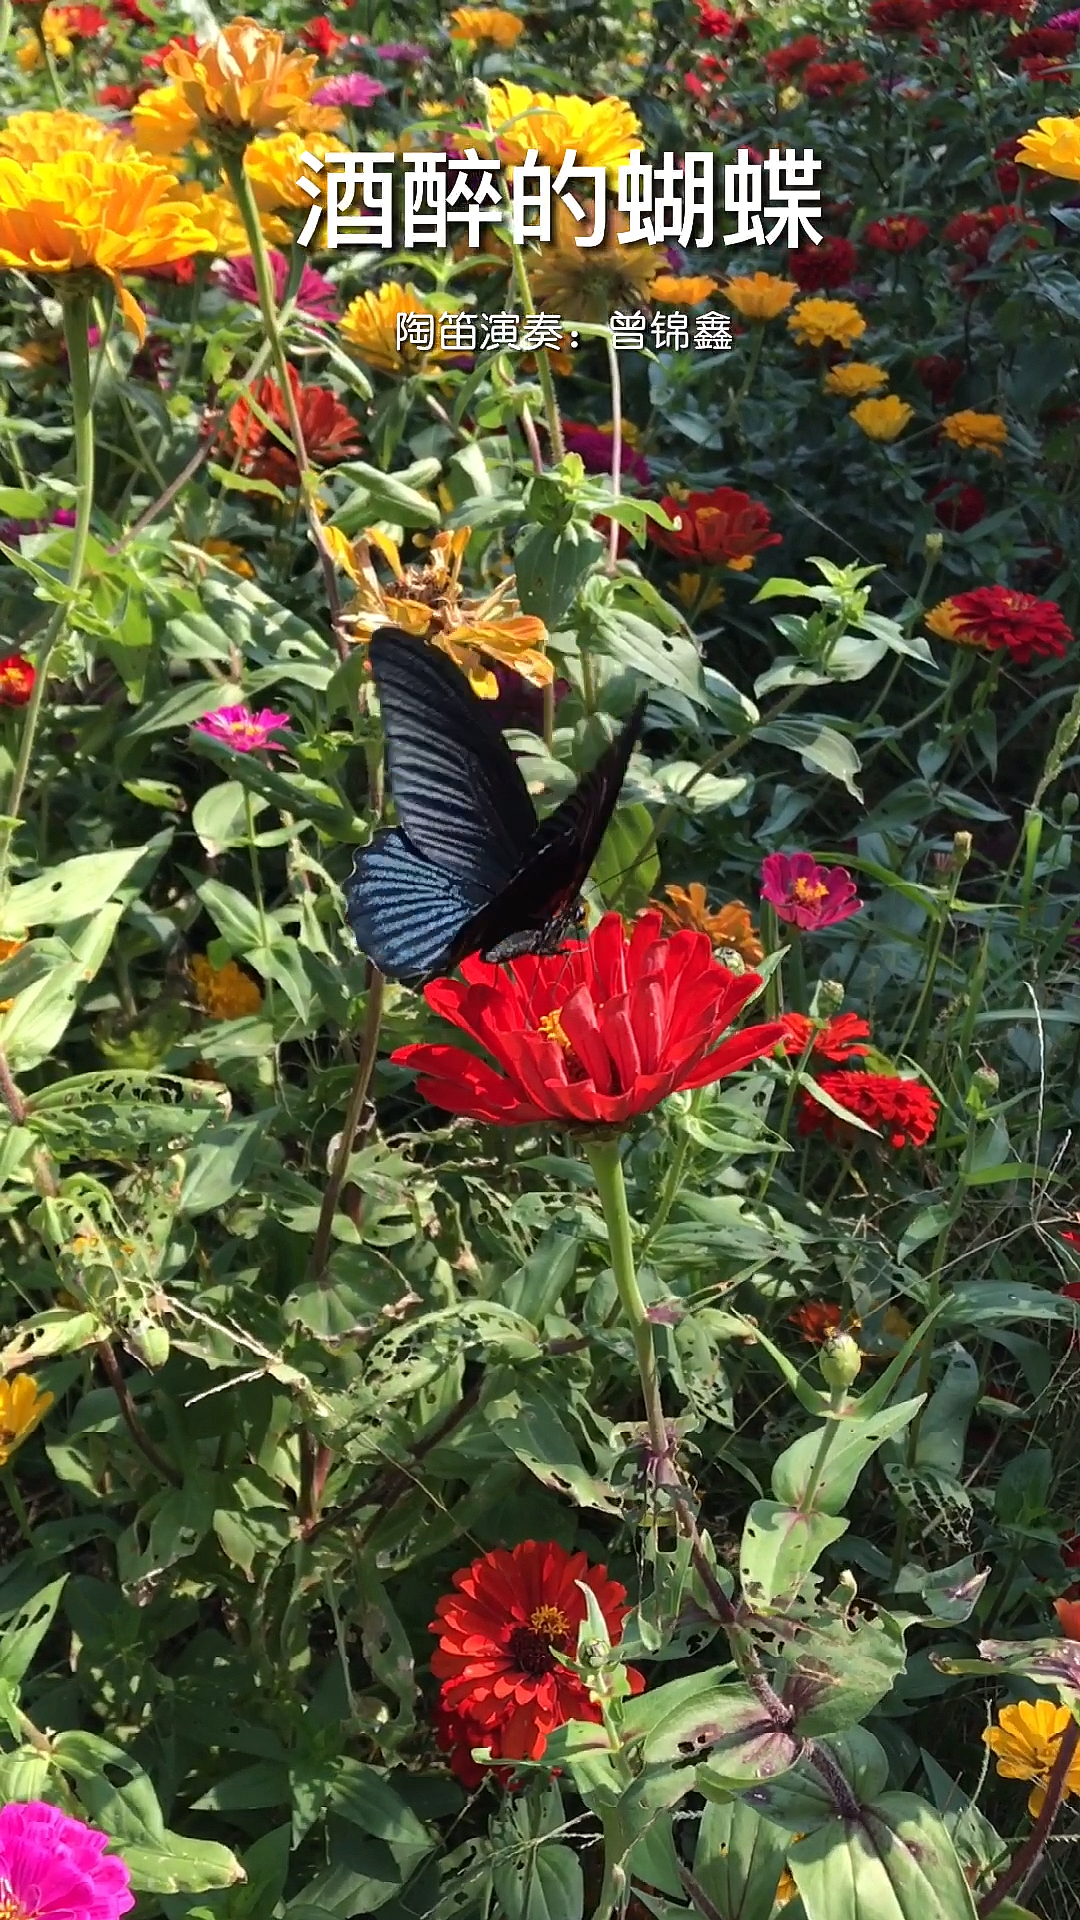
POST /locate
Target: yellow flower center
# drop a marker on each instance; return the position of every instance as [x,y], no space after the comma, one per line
[551,1622]
[808,892]
[551,1027]
[10,1908]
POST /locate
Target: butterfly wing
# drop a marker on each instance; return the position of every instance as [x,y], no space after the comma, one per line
[406,913]
[457,787]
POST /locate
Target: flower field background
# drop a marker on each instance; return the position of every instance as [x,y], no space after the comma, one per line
[594,1433]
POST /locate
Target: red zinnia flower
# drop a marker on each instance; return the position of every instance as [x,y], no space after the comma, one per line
[502,1688]
[1040,68]
[897,233]
[823,78]
[716,23]
[903,1110]
[806,895]
[1052,42]
[898,16]
[816,1320]
[593,1035]
[1007,621]
[122,98]
[782,61]
[939,376]
[17,676]
[131,10]
[81,23]
[181,42]
[957,507]
[831,264]
[322,36]
[724,528]
[330,432]
[839,1039]
[974,231]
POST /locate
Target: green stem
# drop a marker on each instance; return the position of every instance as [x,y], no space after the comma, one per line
[365,1067]
[828,1435]
[18,1506]
[76,335]
[670,1193]
[606,1161]
[543,361]
[919,1023]
[47,55]
[257,890]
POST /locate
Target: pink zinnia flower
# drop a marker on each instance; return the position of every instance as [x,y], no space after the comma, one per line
[246,732]
[314,295]
[1071,20]
[594,445]
[805,894]
[408,53]
[349,90]
[56,1868]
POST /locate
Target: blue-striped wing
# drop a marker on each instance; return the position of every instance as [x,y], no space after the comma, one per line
[407,914]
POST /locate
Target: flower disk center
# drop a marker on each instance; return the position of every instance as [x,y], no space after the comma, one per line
[551,1027]
[530,1647]
[10,1908]
[809,893]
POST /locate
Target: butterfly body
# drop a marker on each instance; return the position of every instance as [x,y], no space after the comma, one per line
[468,868]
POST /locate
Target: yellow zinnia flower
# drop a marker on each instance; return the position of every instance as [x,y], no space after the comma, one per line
[22,1407]
[370,325]
[1054,147]
[27,137]
[273,167]
[58,37]
[759,296]
[687,590]
[119,216]
[602,133]
[727,926]
[1026,1741]
[686,290]
[987,432]
[853,378]
[228,554]
[243,82]
[225,993]
[477,24]
[815,323]
[162,121]
[882,419]
[591,283]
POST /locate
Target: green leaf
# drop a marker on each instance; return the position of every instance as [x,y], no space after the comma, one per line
[855,1443]
[896,1862]
[536,1289]
[234,915]
[386,496]
[725,1727]
[22,503]
[542,1882]
[180,1865]
[22,1636]
[550,563]
[72,890]
[944,1424]
[667,659]
[528,1424]
[627,866]
[819,746]
[779,1547]
[801,1801]
[839,1666]
[738,1860]
[219,1164]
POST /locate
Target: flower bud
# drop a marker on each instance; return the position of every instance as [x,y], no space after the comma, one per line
[1070,803]
[828,999]
[933,544]
[840,1360]
[961,848]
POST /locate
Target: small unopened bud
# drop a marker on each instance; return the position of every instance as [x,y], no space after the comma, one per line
[961,849]
[840,1360]
[1070,804]
[986,1080]
[828,999]
[933,544]
[728,958]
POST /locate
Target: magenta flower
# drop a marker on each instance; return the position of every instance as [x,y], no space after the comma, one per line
[349,90]
[244,731]
[593,446]
[1070,20]
[806,895]
[55,1868]
[315,294]
[406,53]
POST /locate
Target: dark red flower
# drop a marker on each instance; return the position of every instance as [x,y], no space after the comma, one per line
[1007,621]
[330,432]
[898,16]
[897,233]
[816,1320]
[184,42]
[716,23]
[591,1036]
[724,528]
[322,37]
[956,506]
[839,1039]
[973,231]
[939,376]
[825,78]
[1053,42]
[1040,68]
[178,273]
[457,1737]
[17,676]
[122,98]
[502,1687]
[781,63]
[131,10]
[830,265]
[904,1111]
[695,87]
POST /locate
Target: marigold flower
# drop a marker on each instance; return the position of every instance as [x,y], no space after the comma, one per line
[904,1111]
[957,506]
[370,325]
[224,993]
[162,122]
[816,323]
[823,79]
[855,377]
[837,1039]
[1025,1742]
[985,432]
[899,16]
[230,555]
[1053,146]
[23,1407]
[86,210]
[831,264]
[591,283]
[601,133]
[784,60]
[727,926]
[883,419]
[496,25]
[329,430]
[243,82]
[1004,621]
[592,1036]
[897,233]
[759,296]
[817,1320]
[806,895]
[724,528]
[502,1687]
[17,676]
[32,136]
[52,1865]
[685,290]
[246,732]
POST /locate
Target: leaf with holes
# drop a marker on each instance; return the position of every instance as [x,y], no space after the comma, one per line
[779,1547]
[23,1634]
[725,1727]
[894,1862]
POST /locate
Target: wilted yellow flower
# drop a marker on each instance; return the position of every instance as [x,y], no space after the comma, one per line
[23,1406]
[591,283]
[119,216]
[727,926]
[686,290]
[602,133]
[688,592]
[27,137]
[943,621]
[225,993]
[495,24]
[882,419]
[759,296]
[853,378]
[243,82]
[1054,147]
[1026,1741]
[817,322]
[986,432]
[230,555]
[370,325]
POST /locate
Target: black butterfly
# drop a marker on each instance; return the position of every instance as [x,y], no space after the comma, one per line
[469,867]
